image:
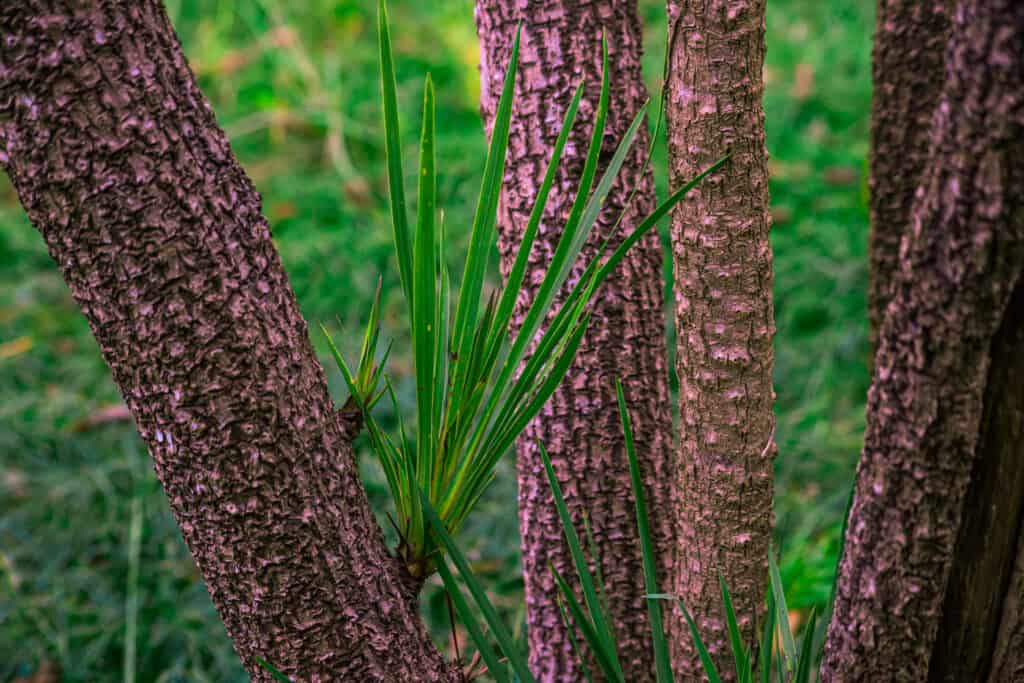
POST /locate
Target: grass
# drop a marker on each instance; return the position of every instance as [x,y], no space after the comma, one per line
[298,93]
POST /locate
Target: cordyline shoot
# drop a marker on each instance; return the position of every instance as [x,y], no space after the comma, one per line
[778,658]
[475,393]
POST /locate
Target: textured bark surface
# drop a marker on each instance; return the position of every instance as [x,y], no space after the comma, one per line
[561,44]
[985,550]
[945,401]
[724,318]
[907,69]
[1008,656]
[118,160]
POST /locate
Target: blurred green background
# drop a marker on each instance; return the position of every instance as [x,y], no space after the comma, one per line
[93,572]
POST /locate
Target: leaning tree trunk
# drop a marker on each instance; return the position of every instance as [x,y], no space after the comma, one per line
[907,65]
[928,588]
[724,319]
[117,158]
[561,44]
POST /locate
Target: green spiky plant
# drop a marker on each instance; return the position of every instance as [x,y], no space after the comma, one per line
[475,389]
[591,618]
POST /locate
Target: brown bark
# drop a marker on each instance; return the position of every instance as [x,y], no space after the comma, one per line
[1008,655]
[936,515]
[561,44]
[118,160]
[724,318]
[907,70]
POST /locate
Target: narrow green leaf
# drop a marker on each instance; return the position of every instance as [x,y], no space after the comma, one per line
[278,676]
[572,639]
[485,218]
[582,568]
[563,257]
[705,657]
[602,595]
[393,151]
[497,627]
[606,656]
[782,614]
[739,652]
[514,284]
[803,670]
[663,665]
[424,315]
[346,373]
[494,664]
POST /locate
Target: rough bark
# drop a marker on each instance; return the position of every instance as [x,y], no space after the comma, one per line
[118,160]
[907,68]
[561,44]
[724,318]
[1008,656]
[936,515]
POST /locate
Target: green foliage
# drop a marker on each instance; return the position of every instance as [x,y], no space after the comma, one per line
[297,89]
[278,676]
[592,618]
[470,402]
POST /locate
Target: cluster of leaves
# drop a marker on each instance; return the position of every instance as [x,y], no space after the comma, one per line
[592,619]
[475,390]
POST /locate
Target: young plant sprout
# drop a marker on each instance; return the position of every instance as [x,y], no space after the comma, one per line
[476,390]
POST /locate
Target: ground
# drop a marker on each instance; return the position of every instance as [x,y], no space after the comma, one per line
[93,573]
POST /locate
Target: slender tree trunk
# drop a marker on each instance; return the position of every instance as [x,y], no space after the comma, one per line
[118,160]
[928,587]
[907,65]
[724,318]
[580,427]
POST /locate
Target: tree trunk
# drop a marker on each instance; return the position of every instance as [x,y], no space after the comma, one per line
[118,160]
[580,427]
[927,588]
[907,66]
[724,318]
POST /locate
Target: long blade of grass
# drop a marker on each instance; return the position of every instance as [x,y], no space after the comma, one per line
[476,471]
[598,575]
[804,665]
[563,257]
[278,676]
[369,348]
[485,218]
[705,657]
[441,372]
[393,152]
[494,664]
[572,639]
[424,308]
[514,284]
[494,622]
[782,614]
[663,665]
[606,656]
[582,568]
[346,372]
[581,293]
[739,652]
